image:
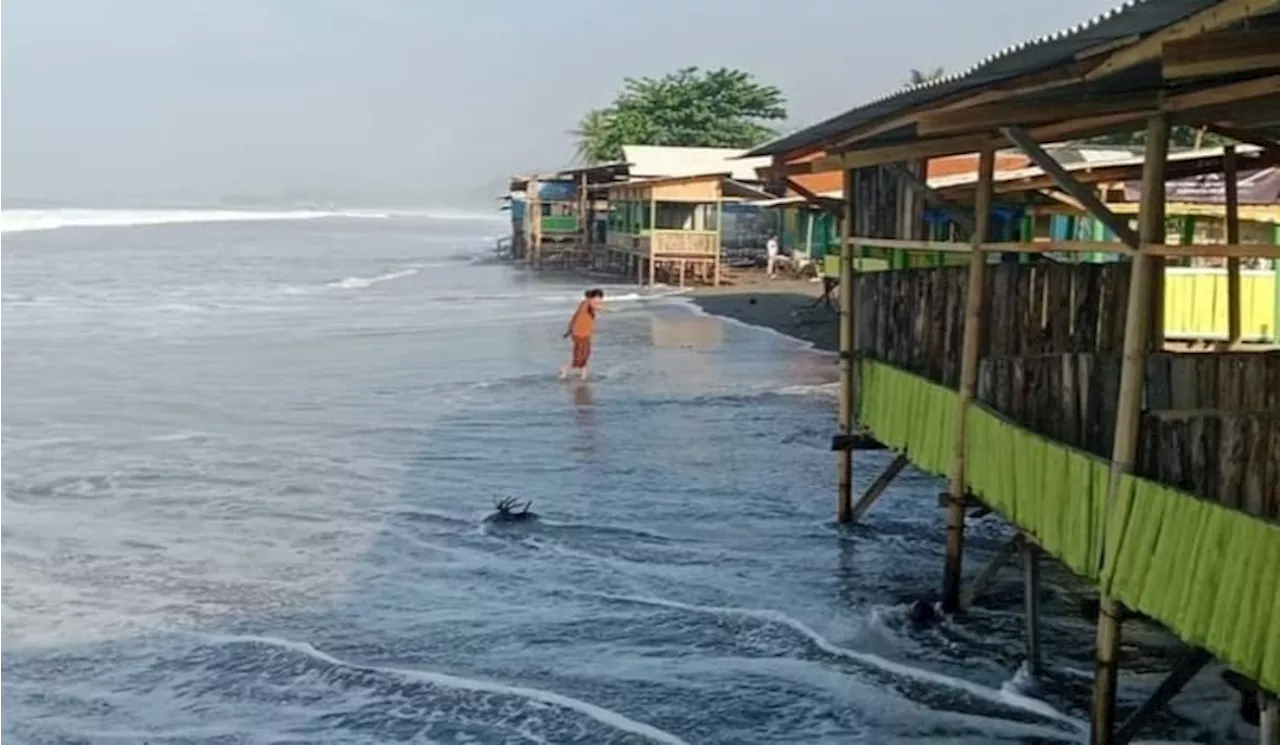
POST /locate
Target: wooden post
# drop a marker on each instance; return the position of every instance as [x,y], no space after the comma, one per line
[969,353]
[1231,182]
[844,459]
[1031,590]
[1268,719]
[1137,328]
[584,221]
[1275,269]
[719,248]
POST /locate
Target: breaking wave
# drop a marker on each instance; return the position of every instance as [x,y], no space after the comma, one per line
[26,220]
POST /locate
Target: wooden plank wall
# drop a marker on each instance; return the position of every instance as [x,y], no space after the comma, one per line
[1051,362]
[914,318]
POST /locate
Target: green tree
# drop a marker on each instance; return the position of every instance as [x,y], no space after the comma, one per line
[686,108]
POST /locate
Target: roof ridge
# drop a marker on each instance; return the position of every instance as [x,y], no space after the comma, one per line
[1000,54]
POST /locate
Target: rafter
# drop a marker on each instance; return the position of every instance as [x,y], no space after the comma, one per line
[1219,15]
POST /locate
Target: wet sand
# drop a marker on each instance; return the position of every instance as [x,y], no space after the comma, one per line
[783,305]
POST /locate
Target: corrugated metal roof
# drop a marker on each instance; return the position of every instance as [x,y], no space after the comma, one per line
[1132,18]
[654,160]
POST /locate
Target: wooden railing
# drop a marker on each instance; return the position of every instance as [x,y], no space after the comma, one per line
[684,243]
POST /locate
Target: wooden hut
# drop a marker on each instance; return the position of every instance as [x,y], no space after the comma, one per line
[1044,390]
[669,228]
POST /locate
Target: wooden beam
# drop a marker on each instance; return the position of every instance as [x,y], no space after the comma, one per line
[822,203]
[1220,95]
[1231,185]
[1137,331]
[940,146]
[989,572]
[1269,145]
[962,216]
[1024,247]
[928,148]
[1190,662]
[879,486]
[905,245]
[1217,250]
[969,352]
[1221,53]
[1021,113]
[1067,183]
[1219,15]
[1064,198]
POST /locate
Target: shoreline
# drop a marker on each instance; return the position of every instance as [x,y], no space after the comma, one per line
[783,305]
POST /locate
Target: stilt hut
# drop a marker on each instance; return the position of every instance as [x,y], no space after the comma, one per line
[669,229]
[1044,390]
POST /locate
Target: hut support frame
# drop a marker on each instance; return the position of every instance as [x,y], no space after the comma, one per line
[1268,719]
[970,352]
[1031,592]
[1190,662]
[1137,333]
[988,573]
[1231,185]
[879,486]
[844,458]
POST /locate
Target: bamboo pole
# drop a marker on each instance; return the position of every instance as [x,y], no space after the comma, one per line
[1031,593]
[968,382]
[1231,182]
[844,459]
[1268,719]
[1137,327]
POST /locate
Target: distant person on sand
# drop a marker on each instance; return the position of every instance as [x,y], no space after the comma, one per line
[771,250]
[581,326]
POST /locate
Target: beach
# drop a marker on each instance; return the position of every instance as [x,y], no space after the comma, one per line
[250,469]
[788,306]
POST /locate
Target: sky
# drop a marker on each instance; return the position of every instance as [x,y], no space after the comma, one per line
[415,102]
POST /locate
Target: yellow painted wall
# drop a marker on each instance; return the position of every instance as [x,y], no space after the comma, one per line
[1195,303]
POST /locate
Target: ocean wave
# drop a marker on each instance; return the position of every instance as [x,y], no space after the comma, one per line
[1003,696]
[607,717]
[26,220]
[359,283]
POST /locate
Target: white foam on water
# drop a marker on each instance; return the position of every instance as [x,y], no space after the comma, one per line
[26,220]
[607,717]
[1003,696]
[359,283]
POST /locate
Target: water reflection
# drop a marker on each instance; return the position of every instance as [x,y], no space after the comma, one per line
[584,416]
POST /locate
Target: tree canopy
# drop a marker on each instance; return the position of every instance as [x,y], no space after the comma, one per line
[688,108]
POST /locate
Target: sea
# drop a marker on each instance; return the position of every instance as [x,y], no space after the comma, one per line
[250,467]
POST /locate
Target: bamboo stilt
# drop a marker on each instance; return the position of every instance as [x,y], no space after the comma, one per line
[844,459]
[1231,182]
[1268,719]
[1031,591]
[1191,661]
[989,572]
[970,351]
[1138,326]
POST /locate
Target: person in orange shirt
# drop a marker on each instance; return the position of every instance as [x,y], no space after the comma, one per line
[581,326]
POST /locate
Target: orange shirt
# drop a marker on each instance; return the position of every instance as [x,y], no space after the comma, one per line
[583,324]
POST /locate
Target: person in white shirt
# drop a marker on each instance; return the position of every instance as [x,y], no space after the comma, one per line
[771,249]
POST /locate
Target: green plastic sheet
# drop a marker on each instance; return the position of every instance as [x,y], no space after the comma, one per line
[1210,574]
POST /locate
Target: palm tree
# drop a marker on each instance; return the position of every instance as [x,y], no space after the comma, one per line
[590,134]
[920,77]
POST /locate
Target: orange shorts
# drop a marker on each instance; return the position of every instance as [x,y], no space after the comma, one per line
[581,351]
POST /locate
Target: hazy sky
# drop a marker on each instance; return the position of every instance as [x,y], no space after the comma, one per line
[416,101]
